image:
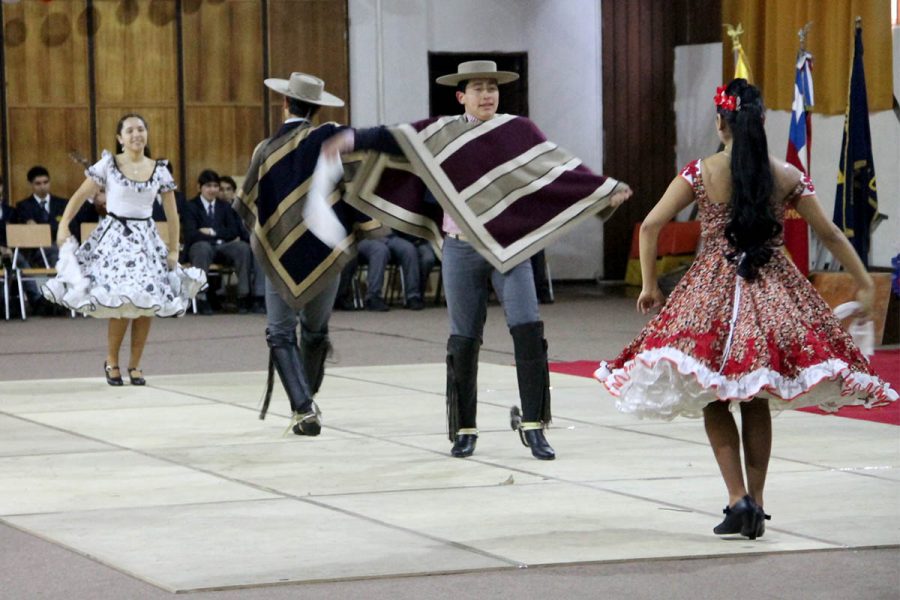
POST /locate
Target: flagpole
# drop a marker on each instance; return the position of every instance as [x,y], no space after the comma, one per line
[797,236]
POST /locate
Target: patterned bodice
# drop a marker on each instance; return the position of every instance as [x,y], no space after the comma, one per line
[126,197]
[714,215]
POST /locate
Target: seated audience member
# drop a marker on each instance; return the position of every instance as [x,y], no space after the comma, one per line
[345,300]
[41,207]
[212,233]
[427,259]
[7,215]
[227,191]
[377,252]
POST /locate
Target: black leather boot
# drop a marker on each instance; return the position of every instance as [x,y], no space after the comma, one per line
[284,355]
[540,449]
[464,445]
[462,393]
[315,348]
[533,376]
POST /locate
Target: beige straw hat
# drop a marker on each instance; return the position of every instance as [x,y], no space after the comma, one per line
[304,87]
[477,69]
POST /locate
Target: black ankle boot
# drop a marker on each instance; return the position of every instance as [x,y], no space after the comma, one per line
[464,445]
[540,449]
[307,423]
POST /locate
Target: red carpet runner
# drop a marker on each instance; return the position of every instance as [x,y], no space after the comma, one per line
[885,362]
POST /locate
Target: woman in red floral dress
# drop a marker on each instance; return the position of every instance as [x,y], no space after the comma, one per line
[743,325]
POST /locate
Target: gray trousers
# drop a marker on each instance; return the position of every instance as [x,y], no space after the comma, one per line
[378,252]
[282,320]
[468,277]
[236,254]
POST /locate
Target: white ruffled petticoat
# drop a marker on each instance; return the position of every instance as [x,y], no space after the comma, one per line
[665,383]
[120,272]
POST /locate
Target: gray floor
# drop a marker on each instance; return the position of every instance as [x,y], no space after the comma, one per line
[587,322]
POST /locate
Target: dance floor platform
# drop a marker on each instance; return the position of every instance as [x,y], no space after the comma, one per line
[181,485]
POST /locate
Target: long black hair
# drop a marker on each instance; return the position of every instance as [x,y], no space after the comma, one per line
[752,224]
[119,147]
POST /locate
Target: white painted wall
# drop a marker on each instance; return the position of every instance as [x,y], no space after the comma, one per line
[389,79]
[389,84]
[694,92]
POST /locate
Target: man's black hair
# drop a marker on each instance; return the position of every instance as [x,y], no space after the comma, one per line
[37,171]
[207,176]
[302,109]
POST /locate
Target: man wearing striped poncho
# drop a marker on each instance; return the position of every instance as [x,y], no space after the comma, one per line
[499,192]
[302,272]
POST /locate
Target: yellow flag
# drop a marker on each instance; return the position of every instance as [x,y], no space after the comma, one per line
[741,68]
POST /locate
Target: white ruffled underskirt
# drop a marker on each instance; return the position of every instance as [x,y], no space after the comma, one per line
[665,383]
[71,288]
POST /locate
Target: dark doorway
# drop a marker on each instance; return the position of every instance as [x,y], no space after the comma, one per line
[513,96]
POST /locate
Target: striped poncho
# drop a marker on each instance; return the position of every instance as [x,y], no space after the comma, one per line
[510,190]
[271,204]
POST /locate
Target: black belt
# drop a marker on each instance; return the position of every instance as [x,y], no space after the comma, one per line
[124,221]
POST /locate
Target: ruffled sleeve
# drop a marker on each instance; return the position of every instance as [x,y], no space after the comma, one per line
[691,172]
[166,182]
[803,189]
[99,171]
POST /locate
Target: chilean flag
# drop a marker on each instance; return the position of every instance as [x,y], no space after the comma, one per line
[796,233]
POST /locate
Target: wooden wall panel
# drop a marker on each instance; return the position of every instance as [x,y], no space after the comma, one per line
[310,36]
[136,57]
[45,55]
[639,39]
[222,139]
[65,84]
[223,89]
[222,53]
[136,54]
[44,136]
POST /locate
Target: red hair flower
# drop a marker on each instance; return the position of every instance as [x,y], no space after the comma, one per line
[724,101]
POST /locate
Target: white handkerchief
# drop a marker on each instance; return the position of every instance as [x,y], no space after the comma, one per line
[862,332]
[317,212]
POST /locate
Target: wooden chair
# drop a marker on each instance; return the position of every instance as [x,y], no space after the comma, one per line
[29,237]
[86,230]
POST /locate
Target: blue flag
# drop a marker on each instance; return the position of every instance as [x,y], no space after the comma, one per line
[856,199]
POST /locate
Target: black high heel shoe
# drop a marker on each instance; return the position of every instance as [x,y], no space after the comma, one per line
[139,380]
[755,526]
[114,381]
[737,518]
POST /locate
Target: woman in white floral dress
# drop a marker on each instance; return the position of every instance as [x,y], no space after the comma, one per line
[124,271]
